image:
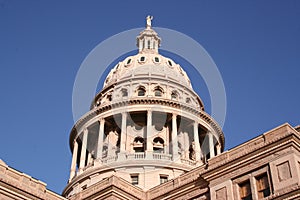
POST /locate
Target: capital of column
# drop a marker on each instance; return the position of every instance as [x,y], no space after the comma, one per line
[85,130]
[149,111]
[74,142]
[101,120]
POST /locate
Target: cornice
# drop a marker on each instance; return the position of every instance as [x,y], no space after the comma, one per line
[97,189]
[261,149]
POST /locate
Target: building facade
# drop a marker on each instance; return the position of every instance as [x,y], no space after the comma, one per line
[147,136]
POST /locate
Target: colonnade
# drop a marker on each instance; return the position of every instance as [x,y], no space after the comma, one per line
[149,145]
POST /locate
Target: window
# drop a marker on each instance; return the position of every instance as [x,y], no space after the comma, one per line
[158,145]
[255,183]
[245,190]
[138,144]
[163,178]
[170,63]
[174,96]
[109,97]
[141,92]
[262,185]
[148,44]
[128,61]
[188,100]
[98,103]
[124,93]
[156,59]
[142,59]
[134,179]
[158,92]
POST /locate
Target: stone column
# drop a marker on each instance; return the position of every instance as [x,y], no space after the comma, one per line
[89,158]
[100,139]
[122,154]
[211,145]
[196,141]
[74,159]
[149,147]
[174,138]
[140,45]
[218,149]
[123,132]
[151,43]
[83,150]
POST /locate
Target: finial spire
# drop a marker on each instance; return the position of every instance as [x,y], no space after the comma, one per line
[149,21]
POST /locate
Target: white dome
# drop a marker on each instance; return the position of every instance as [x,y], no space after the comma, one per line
[148,65]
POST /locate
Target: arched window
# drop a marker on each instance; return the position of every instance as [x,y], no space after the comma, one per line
[188,100]
[148,44]
[98,103]
[174,95]
[142,59]
[109,97]
[138,144]
[158,145]
[158,92]
[128,61]
[141,91]
[124,92]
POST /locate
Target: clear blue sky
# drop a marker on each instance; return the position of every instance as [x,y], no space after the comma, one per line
[255,45]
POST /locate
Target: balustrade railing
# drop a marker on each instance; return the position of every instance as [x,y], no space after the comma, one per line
[136,156]
[142,155]
[162,156]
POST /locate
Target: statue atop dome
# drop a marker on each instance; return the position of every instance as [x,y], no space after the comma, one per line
[149,21]
[148,39]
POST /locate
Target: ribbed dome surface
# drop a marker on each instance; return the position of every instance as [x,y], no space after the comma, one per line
[148,64]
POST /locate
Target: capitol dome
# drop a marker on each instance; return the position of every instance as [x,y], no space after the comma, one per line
[147,125]
[149,63]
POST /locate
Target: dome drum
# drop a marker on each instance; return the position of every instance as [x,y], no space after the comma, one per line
[153,88]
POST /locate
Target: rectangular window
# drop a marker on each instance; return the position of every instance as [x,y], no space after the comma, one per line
[163,178]
[135,179]
[245,190]
[262,184]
